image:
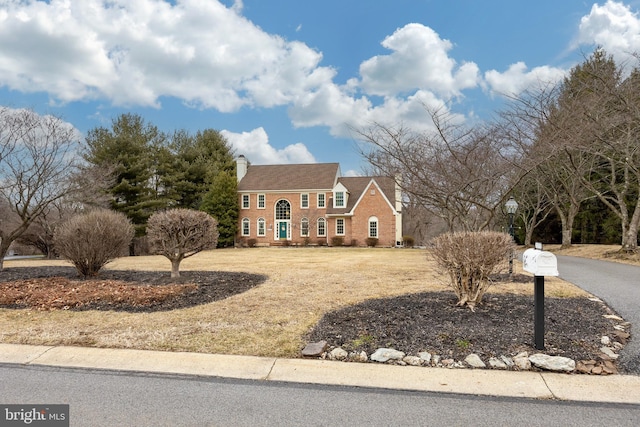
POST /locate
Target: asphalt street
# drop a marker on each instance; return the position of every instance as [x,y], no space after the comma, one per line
[616,284]
[111,398]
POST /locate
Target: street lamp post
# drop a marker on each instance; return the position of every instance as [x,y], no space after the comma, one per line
[512,207]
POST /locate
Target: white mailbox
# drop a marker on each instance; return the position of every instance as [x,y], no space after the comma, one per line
[540,263]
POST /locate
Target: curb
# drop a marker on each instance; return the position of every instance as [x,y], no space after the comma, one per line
[535,385]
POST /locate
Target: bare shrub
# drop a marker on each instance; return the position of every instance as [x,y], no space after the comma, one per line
[93,239]
[408,241]
[337,241]
[372,242]
[470,258]
[180,233]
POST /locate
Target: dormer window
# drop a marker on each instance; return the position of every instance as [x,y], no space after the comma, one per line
[339,199]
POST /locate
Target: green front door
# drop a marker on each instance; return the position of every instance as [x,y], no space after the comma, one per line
[282,234]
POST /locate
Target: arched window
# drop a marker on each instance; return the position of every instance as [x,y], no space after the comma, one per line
[261,228]
[322,227]
[246,228]
[283,210]
[373,227]
[304,227]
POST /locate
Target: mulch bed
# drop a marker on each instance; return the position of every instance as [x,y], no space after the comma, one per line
[502,325]
[50,288]
[430,321]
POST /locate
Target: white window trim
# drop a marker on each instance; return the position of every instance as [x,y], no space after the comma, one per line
[248,230]
[302,228]
[335,199]
[338,220]
[248,198]
[264,227]
[323,221]
[264,201]
[373,219]
[324,200]
[302,206]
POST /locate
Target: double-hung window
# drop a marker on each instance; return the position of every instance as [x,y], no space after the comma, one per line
[245,201]
[322,227]
[340,226]
[246,228]
[373,227]
[261,227]
[321,200]
[261,201]
[339,201]
[304,201]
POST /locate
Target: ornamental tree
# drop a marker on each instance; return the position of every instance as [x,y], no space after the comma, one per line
[180,233]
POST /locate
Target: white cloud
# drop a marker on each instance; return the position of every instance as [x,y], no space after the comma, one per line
[614,27]
[255,146]
[518,78]
[419,60]
[134,52]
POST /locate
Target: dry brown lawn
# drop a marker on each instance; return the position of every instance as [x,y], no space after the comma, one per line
[271,319]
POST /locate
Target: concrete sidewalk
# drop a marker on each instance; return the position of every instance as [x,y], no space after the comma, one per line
[537,385]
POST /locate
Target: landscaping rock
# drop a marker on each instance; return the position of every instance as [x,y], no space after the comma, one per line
[338,354]
[609,352]
[413,360]
[507,361]
[358,356]
[425,356]
[386,354]
[521,361]
[497,363]
[605,340]
[553,363]
[474,361]
[314,349]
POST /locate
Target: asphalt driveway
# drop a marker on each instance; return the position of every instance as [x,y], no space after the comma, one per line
[619,286]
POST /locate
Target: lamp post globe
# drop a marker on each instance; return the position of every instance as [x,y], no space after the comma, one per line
[511,207]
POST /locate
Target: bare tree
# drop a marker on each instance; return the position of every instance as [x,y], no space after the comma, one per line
[180,233]
[38,155]
[542,132]
[460,174]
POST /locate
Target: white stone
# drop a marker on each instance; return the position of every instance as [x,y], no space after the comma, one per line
[521,361]
[358,357]
[553,363]
[474,361]
[497,363]
[413,360]
[426,356]
[609,352]
[338,354]
[613,317]
[386,354]
[507,361]
[605,340]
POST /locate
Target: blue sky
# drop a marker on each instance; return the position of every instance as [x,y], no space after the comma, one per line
[284,80]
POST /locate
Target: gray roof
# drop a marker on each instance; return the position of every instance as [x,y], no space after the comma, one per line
[312,176]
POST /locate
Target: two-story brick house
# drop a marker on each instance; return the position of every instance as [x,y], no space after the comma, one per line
[312,203]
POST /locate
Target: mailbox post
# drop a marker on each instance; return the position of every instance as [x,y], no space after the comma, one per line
[540,263]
